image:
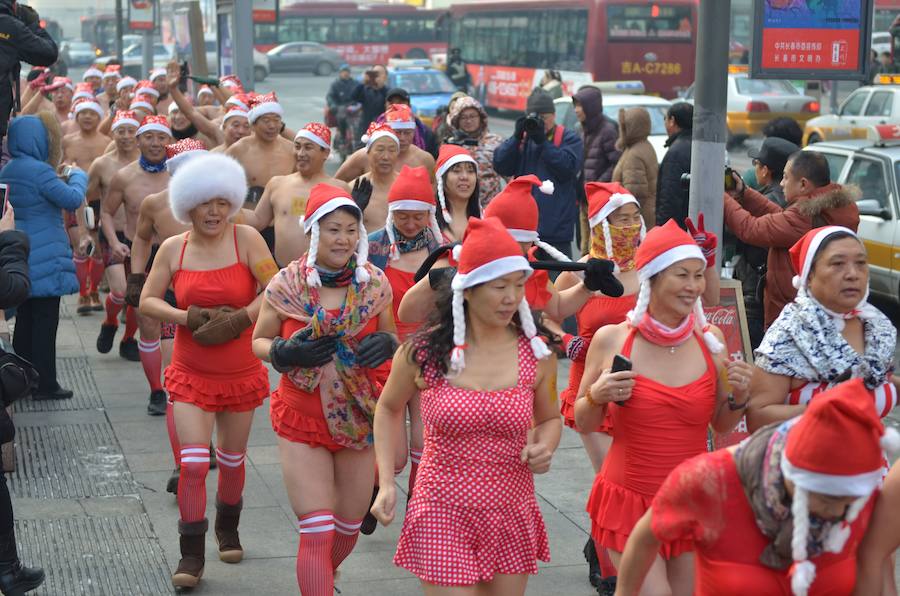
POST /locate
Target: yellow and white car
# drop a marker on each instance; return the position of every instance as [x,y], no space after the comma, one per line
[874,105]
[873,164]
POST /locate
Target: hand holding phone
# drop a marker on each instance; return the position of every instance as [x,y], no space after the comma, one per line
[7,218]
[614,385]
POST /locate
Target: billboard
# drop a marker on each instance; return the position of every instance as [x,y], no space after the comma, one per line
[811,39]
[142,15]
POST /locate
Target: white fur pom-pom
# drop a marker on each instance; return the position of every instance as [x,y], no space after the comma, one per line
[457,360]
[312,277]
[802,576]
[364,138]
[539,348]
[795,281]
[362,275]
[890,441]
[547,187]
[456,252]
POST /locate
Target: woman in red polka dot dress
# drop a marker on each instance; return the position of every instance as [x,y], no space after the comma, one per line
[488,406]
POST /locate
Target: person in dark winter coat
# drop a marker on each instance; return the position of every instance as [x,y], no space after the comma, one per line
[671,194]
[341,94]
[371,94]
[551,153]
[22,39]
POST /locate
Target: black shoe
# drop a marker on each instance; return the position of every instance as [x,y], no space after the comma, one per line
[607,586]
[172,484]
[128,349]
[590,555]
[157,405]
[369,522]
[15,578]
[106,337]
[58,393]
[212,457]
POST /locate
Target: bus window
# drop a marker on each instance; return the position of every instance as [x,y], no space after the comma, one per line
[632,21]
[265,33]
[346,30]
[563,36]
[374,29]
[293,29]
[318,29]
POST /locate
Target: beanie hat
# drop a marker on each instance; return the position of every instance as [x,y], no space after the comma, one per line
[125,83]
[112,71]
[486,253]
[399,116]
[842,415]
[88,104]
[157,123]
[377,131]
[323,199]
[264,104]
[317,133]
[93,71]
[178,154]
[411,191]
[448,156]
[604,198]
[516,208]
[145,87]
[539,102]
[662,247]
[83,91]
[233,112]
[125,117]
[203,178]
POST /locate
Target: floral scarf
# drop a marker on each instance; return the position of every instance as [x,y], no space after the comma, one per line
[624,240]
[348,396]
[804,342]
[380,245]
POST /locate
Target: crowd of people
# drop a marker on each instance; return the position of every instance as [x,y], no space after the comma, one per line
[415,306]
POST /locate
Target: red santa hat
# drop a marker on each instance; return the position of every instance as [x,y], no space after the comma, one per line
[264,104]
[604,198]
[156,73]
[516,208]
[145,87]
[87,104]
[842,415]
[231,81]
[377,131]
[203,178]
[140,104]
[112,71]
[233,112]
[399,116]
[241,100]
[93,71]
[204,90]
[317,133]
[155,123]
[179,153]
[448,156]
[486,253]
[411,191]
[126,83]
[662,247]
[323,199]
[123,118]
[83,91]
[59,83]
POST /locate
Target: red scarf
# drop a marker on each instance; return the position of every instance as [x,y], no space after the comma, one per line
[661,335]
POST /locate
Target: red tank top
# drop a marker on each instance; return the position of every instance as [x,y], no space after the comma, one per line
[597,312]
[401,282]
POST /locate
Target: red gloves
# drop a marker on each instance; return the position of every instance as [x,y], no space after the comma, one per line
[707,241]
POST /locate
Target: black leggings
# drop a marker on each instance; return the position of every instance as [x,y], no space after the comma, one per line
[34,339]
[6,510]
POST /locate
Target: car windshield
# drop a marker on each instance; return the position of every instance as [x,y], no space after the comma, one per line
[657,116]
[747,86]
[422,83]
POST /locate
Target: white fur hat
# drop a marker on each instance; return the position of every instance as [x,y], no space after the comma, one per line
[203,178]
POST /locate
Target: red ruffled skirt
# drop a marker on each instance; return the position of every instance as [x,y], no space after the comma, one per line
[568,396]
[297,416]
[218,394]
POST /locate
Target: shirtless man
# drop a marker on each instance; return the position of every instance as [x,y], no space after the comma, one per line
[93,76]
[383,149]
[186,120]
[61,91]
[129,187]
[284,200]
[111,77]
[265,153]
[235,127]
[400,118]
[160,82]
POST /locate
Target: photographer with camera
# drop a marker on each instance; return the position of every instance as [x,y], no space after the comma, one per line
[372,94]
[469,128]
[551,152]
[22,39]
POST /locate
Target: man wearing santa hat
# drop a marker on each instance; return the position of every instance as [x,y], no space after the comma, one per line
[161,83]
[86,144]
[93,76]
[284,200]
[112,74]
[187,118]
[382,153]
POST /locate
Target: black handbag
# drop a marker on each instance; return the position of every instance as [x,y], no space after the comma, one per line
[18,377]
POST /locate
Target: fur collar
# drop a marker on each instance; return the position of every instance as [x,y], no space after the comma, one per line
[832,196]
[54,137]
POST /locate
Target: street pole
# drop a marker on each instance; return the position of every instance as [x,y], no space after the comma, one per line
[243,43]
[710,131]
[120,30]
[147,53]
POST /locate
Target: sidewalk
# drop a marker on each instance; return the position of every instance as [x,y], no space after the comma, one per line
[91,507]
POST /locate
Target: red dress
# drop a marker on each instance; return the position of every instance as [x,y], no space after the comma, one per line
[474,513]
[401,282]
[703,501]
[227,377]
[597,312]
[657,429]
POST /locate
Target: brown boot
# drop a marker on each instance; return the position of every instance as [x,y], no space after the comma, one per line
[193,553]
[227,519]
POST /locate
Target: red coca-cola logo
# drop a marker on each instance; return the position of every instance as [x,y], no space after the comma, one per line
[722,316]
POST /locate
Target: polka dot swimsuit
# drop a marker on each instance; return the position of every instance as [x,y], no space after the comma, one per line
[474,512]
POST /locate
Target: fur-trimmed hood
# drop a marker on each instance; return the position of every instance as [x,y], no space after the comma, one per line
[826,198]
[38,137]
[634,127]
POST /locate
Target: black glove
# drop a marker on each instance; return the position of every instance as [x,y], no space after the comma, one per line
[431,259]
[520,128]
[599,276]
[27,15]
[538,135]
[439,276]
[362,193]
[375,349]
[301,352]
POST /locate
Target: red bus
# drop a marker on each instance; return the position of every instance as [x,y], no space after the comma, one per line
[885,13]
[508,45]
[362,34]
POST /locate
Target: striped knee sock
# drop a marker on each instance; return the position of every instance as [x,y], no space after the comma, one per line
[231,475]
[82,272]
[173,435]
[151,360]
[131,324]
[315,574]
[414,457]
[114,304]
[346,532]
[192,482]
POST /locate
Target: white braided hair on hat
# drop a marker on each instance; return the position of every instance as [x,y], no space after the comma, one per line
[552,251]
[607,237]
[362,255]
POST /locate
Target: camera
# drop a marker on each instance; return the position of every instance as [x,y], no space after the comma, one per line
[730,180]
[534,124]
[462,140]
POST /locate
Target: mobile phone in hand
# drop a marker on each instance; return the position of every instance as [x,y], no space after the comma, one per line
[4,197]
[619,364]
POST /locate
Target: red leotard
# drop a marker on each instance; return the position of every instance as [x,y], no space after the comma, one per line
[536,293]
[656,430]
[228,376]
[401,282]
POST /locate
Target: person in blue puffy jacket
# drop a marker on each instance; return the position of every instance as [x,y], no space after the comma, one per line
[39,197]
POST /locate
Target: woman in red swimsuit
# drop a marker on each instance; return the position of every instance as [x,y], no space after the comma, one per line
[216,270]
[781,513]
[662,407]
[326,325]
[487,390]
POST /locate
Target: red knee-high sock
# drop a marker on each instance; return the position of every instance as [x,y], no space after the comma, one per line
[173,436]
[607,569]
[83,273]
[97,269]
[151,360]
[231,475]
[414,457]
[192,482]
[346,532]
[130,323]
[114,303]
[315,574]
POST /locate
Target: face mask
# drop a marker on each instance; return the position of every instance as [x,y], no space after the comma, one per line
[623,240]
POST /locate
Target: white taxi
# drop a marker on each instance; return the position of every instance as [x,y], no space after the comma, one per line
[874,105]
[873,164]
